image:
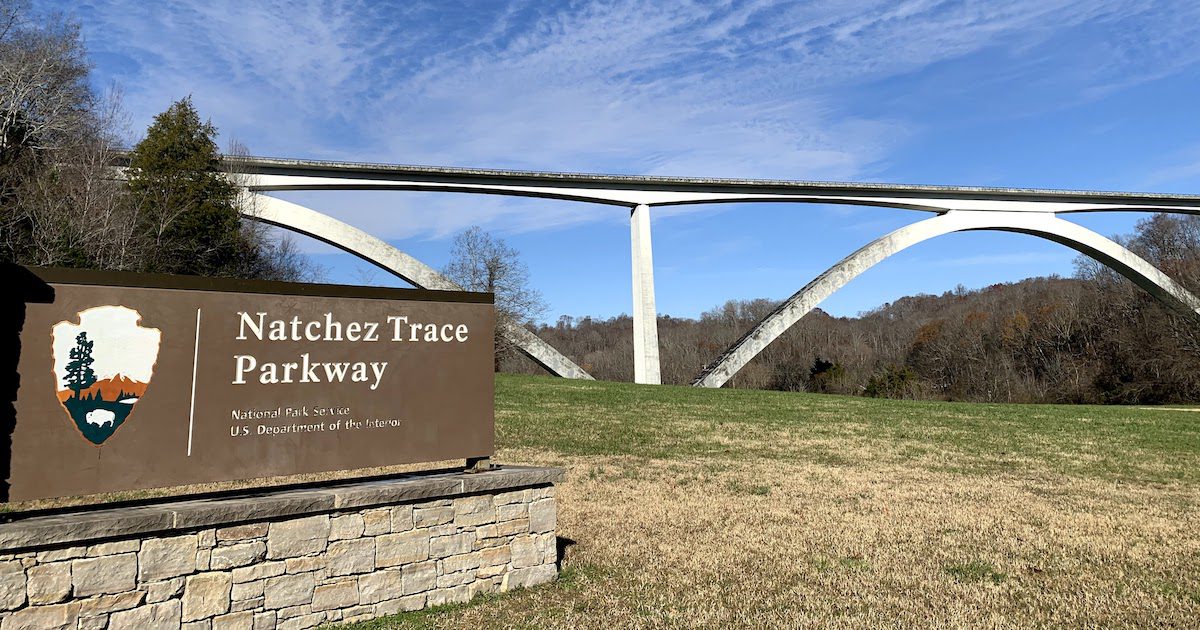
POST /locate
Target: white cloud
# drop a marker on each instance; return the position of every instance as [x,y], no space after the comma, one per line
[721,88]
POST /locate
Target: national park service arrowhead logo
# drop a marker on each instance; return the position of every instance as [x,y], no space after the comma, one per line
[103,365]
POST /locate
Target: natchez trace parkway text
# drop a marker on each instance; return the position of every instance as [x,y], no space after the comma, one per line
[394,328]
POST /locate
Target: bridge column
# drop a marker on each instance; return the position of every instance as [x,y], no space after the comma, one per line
[645,317]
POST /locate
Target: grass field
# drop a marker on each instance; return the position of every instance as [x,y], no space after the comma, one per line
[717,508]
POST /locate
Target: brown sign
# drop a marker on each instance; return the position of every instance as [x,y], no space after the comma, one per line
[131,381]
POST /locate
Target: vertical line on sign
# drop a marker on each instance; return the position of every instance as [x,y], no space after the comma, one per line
[195,363]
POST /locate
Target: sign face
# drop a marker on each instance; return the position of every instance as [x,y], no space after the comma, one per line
[130,381]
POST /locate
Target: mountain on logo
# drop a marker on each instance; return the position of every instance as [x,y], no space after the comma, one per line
[115,389]
[104,365]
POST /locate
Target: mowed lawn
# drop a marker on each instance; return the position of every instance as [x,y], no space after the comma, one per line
[718,508]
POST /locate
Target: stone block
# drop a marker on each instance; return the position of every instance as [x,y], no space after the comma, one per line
[400,604]
[203,624]
[104,604]
[525,552]
[264,620]
[203,559]
[449,580]
[57,555]
[379,586]
[495,556]
[12,585]
[303,622]
[471,505]
[161,616]
[452,595]
[512,496]
[502,529]
[430,516]
[512,511]
[545,492]
[446,546]
[206,595]
[542,516]
[353,615]
[298,537]
[308,564]
[486,585]
[473,511]
[377,521]
[346,526]
[403,548]
[418,578]
[234,621]
[99,622]
[242,532]
[113,548]
[337,595]
[56,617]
[164,590]
[253,604]
[402,518]
[492,571]
[474,520]
[247,590]
[162,558]
[462,562]
[289,590]
[238,555]
[206,539]
[532,576]
[294,611]
[547,545]
[350,557]
[100,576]
[49,583]
[258,571]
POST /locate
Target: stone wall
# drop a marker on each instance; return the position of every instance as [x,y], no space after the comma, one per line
[294,571]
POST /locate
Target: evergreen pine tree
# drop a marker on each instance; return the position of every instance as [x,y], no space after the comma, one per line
[79,369]
[189,206]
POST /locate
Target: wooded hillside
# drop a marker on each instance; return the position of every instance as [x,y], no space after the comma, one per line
[1092,338]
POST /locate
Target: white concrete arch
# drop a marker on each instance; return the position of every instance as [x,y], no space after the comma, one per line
[643,193]
[1043,225]
[346,237]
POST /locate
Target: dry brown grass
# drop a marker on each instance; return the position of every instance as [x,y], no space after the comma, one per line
[740,535]
[769,543]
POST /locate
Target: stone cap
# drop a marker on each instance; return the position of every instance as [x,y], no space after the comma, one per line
[103,522]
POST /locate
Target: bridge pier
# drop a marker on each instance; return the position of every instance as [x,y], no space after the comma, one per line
[645,316]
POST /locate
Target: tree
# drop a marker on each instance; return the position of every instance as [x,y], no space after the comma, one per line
[79,369]
[55,136]
[481,262]
[45,100]
[187,203]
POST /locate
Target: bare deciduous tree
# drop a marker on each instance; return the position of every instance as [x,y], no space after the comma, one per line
[45,100]
[481,262]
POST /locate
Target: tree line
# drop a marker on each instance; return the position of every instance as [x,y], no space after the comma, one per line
[69,195]
[1091,338]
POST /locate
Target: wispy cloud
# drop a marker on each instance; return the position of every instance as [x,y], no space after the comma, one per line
[729,88]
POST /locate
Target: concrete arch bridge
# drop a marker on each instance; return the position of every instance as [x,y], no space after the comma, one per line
[953,209]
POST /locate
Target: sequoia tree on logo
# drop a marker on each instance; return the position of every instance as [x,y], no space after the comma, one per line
[104,365]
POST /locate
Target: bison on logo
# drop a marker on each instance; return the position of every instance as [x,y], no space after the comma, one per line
[103,365]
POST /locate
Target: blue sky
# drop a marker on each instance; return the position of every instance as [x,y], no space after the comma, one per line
[1094,94]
